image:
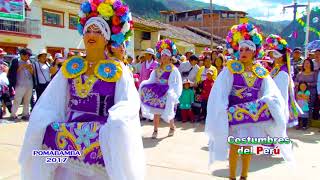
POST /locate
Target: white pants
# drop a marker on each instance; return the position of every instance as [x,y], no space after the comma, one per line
[25,93]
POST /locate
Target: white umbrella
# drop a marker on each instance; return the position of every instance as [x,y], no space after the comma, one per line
[313,45]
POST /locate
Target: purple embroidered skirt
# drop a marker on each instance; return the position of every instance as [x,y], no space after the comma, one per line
[249,112]
[154,95]
[82,136]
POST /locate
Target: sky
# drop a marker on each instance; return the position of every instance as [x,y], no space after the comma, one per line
[271,10]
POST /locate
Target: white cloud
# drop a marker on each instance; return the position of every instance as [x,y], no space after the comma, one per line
[263,9]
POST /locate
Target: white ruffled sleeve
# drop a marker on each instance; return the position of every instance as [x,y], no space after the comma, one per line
[173,94]
[272,96]
[217,127]
[51,107]
[282,82]
[120,138]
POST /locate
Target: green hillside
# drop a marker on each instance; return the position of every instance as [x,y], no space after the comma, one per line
[269,27]
[183,5]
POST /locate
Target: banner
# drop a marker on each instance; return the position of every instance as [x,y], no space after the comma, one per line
[13,10]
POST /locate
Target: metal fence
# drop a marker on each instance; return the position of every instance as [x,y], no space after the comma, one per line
[29,26]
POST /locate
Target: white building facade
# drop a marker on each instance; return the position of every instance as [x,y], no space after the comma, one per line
[49,24]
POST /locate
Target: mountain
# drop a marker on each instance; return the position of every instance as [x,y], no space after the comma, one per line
[184,5]
[151,9]
[269,27]
[299,41]
[146,8]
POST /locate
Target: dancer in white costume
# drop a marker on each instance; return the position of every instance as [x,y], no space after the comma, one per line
[244,102]
[160,93]
[278,50]
[91,106]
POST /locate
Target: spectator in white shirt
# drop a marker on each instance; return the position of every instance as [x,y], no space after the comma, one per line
[42,73]
[23,82]
[189,69]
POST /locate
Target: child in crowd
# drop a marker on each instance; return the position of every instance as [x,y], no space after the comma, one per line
[303,99]
[186,99]
[206,88]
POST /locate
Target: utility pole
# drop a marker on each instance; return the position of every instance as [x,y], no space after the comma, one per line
[307,30]
[211,17]
[295,7]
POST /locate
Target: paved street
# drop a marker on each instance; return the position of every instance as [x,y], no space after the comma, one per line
[185,156]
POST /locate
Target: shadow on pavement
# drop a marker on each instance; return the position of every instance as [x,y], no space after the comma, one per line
[310,135]
[205,148]
[257,163]
[148,142]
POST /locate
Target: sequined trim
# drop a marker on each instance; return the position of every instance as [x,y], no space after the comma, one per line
[168,68]
[83,89]
[252,110]
[250,78]
[105,104]
[275,71]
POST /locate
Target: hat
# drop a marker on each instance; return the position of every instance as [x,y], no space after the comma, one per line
[245,34]
[183,58]
[4,63]
[43,51]
[174,59]
[189,51]
[82,54]
[2,52]
[149,51]
[220,48]
[111,16]
[167,47]
[297,49]
[206,49]
[194,57]
[25,51]
[58,56]
[140,56]
[187,81]
[49,56]
[71,53]
[209,72]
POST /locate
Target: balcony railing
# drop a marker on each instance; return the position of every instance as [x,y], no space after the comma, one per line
[28,27]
